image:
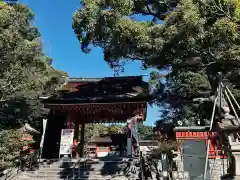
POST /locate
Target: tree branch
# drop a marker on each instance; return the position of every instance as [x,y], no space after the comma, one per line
[209,65]
[160,16]
[10,82]
[135,58]
[202,100]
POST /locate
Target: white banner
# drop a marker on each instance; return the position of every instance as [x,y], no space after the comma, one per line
[66,141]
[43,134]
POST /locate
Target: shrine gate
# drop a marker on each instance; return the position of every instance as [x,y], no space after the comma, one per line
[192,146]
[93,100]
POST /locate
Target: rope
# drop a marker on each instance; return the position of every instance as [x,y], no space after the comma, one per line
[211,124]
[235,101]
[227,92]
[230,102]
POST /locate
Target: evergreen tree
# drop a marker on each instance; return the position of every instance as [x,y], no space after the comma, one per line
[25,75]
[187,41]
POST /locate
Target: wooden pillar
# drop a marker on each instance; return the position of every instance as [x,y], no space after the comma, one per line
[69,122]
[82,140]
[76,130]
[75,149]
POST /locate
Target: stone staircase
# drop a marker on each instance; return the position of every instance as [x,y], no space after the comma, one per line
[84,169]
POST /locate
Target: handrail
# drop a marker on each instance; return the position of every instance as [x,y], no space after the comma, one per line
[142,166]
[28,159]
[73,169]
[22,162]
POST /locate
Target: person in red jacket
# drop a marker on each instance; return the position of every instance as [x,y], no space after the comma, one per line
[74,150]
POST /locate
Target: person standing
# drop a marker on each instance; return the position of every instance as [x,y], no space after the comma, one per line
[74,149]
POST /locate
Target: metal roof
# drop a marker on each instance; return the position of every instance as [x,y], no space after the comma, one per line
[192,128]
[97,79]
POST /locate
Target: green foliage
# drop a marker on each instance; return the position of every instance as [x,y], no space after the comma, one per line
[190,40]
[145,132]
[10,146]
[25,72]
[101,130]
[165,147]
[115,129]
[25,75]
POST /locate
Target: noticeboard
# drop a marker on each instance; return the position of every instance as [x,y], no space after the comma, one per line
[176,175]
[66,142]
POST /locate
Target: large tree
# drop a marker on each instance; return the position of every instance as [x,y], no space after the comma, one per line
[145,131]
[101,130]
[25,74]
[189,40]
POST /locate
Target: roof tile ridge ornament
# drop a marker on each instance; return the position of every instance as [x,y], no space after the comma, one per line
[60,87]
[63,84]
[28,128]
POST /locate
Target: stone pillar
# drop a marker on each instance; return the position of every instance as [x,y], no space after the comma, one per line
[129,147]
[82,140]
[235,149]
[179,162]
[218,168]
[236,159]
[129,139]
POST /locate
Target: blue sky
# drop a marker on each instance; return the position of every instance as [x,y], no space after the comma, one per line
[54,20]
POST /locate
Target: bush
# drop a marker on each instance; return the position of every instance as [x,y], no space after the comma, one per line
[10,147]
[165,147]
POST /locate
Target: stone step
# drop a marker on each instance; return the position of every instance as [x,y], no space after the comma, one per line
[88,178]
[87,164]
[77,170]
[83,168]
[92,169]
[52,173]
[70,164]
[69,177]
[68,160]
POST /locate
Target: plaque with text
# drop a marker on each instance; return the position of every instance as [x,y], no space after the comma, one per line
[180,175]
[66,142]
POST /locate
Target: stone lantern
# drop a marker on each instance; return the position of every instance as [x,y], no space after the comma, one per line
[229,129]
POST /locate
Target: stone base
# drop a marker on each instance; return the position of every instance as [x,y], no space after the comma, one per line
[236,178]
[230,177]
[218,167]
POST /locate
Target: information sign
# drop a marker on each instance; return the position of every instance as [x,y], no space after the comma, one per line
[179,175]
[66,142]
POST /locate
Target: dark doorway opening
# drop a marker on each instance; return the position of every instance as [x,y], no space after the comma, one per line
[56,122]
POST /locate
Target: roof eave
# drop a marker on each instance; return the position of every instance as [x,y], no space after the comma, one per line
[75,79]
[191,128]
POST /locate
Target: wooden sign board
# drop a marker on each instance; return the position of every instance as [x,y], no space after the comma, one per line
[66,142]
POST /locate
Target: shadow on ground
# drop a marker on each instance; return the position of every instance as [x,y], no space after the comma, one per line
[75,169]
[109,167]
[114,166]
